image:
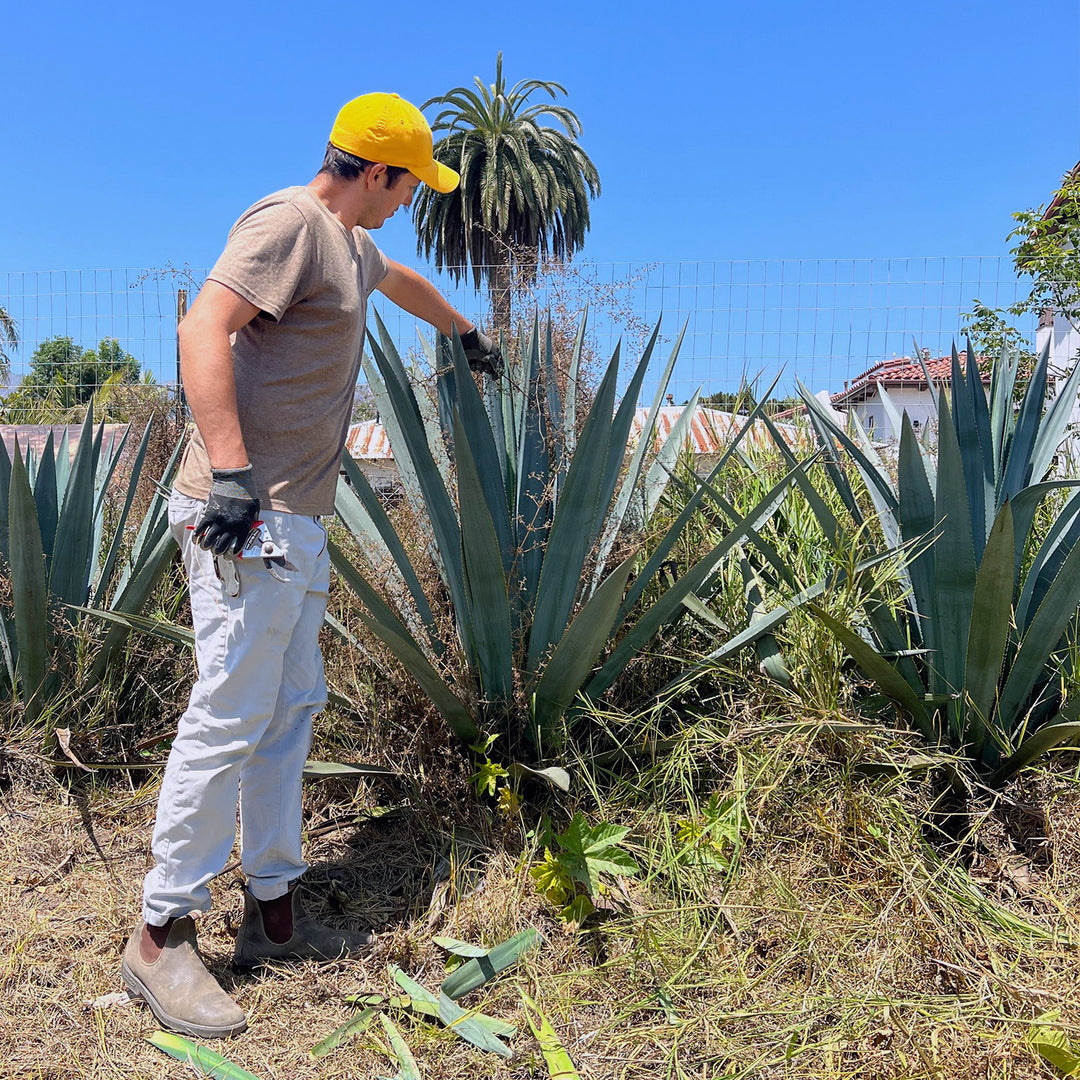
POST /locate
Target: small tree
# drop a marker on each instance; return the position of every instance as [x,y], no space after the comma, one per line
[1046,250]
[9,339]
[62,371]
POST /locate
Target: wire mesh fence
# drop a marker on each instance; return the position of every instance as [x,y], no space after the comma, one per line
[821,321]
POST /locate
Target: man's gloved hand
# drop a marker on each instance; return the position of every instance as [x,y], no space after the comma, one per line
[230,513]
[482,353]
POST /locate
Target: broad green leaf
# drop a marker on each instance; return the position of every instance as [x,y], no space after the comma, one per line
[29,595]
[46,499]
[954,565]
[570,537]
[1054,1047]
[488,614]
[353,1026]
[361,510]
[1062,728]
[453,1016]
[991,612]
[550,774]
[69,579]
[1040,640]
[406,1062]
[206,1061]
[559,1063]
[323,770]
[459,948]
[5,485]
[480,969]
[577,652]
[976,461]
[389,629]
[1018,470]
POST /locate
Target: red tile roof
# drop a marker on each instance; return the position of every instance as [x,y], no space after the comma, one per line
[903,371]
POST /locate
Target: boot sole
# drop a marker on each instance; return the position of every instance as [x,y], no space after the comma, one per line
[139,989]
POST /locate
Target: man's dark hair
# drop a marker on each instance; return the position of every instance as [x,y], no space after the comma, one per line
[346,166]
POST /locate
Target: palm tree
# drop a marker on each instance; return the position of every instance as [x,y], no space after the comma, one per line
[524,190]
[9,338]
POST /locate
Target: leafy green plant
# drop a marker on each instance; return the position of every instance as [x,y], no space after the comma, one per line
[574,860]
[521,516]
[975,657]
[51,541]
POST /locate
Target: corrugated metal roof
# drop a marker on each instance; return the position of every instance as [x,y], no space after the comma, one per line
[712,429]
[369,442]
[35,436]
[710,432]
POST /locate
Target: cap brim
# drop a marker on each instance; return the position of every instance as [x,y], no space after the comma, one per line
[438,177]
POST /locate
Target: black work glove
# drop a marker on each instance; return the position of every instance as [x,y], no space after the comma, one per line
[230,513]
[482,353]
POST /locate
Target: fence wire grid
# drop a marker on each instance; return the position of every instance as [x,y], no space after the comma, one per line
[821,321]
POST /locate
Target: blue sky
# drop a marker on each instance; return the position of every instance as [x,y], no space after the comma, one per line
[133,134]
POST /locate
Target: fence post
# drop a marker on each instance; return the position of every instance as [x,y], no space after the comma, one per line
[181,311]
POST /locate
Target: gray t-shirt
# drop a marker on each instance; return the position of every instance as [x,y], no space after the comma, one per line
[296,362]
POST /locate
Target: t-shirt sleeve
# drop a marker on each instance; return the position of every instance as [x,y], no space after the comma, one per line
[372,260]
[267,258]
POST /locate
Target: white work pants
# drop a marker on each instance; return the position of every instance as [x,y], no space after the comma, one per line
[247,729]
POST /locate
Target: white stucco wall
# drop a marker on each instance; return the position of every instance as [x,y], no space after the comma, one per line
[916,401]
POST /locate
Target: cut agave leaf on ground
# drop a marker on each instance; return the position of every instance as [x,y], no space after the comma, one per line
[459,948]
[463,1024]
[553,775]
[481,969]
[206,1061]
[321,770]
[353,1026]
[407,1069]
[560,1064]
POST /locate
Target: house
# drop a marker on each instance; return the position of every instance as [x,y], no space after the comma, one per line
[1055,329]
[904,380]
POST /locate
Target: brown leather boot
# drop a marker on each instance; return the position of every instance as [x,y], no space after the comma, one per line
[181,993]
[310,940]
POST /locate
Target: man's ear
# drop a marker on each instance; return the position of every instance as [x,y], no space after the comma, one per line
[373,176]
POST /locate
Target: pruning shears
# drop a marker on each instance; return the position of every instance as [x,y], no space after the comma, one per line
[259,545]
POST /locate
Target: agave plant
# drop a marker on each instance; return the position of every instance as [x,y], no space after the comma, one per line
[521,513]
[51,541]
[976,657]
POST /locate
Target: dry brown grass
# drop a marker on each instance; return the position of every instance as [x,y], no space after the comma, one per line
[833,951]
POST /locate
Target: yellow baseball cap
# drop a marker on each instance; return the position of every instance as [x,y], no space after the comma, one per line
[387,129]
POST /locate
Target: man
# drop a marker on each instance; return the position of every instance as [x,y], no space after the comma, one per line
[269,357]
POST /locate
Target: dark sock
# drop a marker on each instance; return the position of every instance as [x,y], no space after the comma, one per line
[277,918]
[152,941]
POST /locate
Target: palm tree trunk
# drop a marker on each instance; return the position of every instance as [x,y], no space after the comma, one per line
[502,287]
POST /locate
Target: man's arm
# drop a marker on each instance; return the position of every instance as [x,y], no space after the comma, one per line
[417,296]
[206,366]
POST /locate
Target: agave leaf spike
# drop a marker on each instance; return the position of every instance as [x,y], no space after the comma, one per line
[990,623]
[1054,425]
[569,410]
[613,523]
[568,542]
[46,500]
[103,578]
[74,530]
[670,602]
[1065,726]
[1018,471]
[488,618]
[1041,637]
[359,507]
[476,426]
[29,596]
[918,517]
[971,454]
[954,565]
[656,479]
[579,648]
[5,485]
[1058,542]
